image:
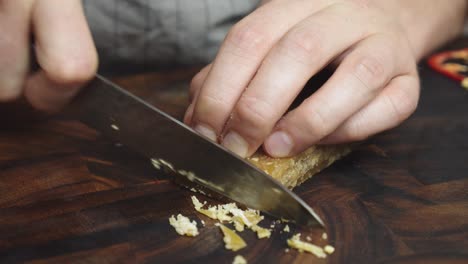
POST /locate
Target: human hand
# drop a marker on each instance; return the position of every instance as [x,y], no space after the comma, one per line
[63,45]
[268,57]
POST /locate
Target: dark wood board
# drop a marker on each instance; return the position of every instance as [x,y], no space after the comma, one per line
[68,195]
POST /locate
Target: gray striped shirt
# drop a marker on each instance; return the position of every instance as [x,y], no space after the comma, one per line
[160,32]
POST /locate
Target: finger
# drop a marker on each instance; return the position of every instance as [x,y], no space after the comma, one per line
[239,58]
[14,47]
[391,107]
[300,54]
[188,115]
[65,52]
[358,79]
[197,82]
[194,90]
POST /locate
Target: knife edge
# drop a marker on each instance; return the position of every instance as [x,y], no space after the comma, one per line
[124,117]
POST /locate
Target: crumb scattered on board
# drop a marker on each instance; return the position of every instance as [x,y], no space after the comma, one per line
[183,226]
[242,219]
[296,242]
[160,163]
[324,236]
[261,232]
[329,249]
[230,213]
[464,83]
[231,239]
[115,127]
[156,163]
[239,260]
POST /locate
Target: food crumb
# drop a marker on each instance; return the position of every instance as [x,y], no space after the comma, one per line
[203,223]
[329,249]
[196,203]
[296,242]
[156,163]
[232,214]
[192,189]
[286,250]
[324,236]
[167,164]
[464,83]
[286,228]
[231,239]
[261,232]
[115,127]
[308,238]
[183,226]
[239,260]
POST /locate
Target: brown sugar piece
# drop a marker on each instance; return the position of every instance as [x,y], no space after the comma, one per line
[293,171]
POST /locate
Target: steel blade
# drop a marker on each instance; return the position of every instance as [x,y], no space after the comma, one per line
[128,119]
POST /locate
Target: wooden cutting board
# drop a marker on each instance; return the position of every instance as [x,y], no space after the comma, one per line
[67,195]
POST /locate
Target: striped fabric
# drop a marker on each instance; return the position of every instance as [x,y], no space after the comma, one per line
[160,32]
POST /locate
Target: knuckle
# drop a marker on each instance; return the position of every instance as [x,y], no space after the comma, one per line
[255,114]
[210,110]
[402,104]
[302,44]
[371,71]
[252,110]
[315,123]
[248,38]
[71,71]
[354,131]
[212,102]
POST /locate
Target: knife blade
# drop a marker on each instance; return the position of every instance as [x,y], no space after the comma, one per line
[122,116]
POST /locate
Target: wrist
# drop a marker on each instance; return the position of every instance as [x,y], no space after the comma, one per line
[429,24]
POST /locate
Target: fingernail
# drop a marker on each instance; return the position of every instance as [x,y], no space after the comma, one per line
[206,131]
[235,143]
[279,144]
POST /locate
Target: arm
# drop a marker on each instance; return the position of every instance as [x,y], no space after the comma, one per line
[429,24]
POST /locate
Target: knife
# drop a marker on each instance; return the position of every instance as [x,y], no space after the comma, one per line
[123,117]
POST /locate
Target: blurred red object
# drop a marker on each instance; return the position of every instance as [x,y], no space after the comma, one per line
[453,64]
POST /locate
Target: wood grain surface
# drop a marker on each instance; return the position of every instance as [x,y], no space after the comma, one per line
[68,195]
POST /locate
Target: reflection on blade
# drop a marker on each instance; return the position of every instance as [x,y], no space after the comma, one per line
[128,119]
